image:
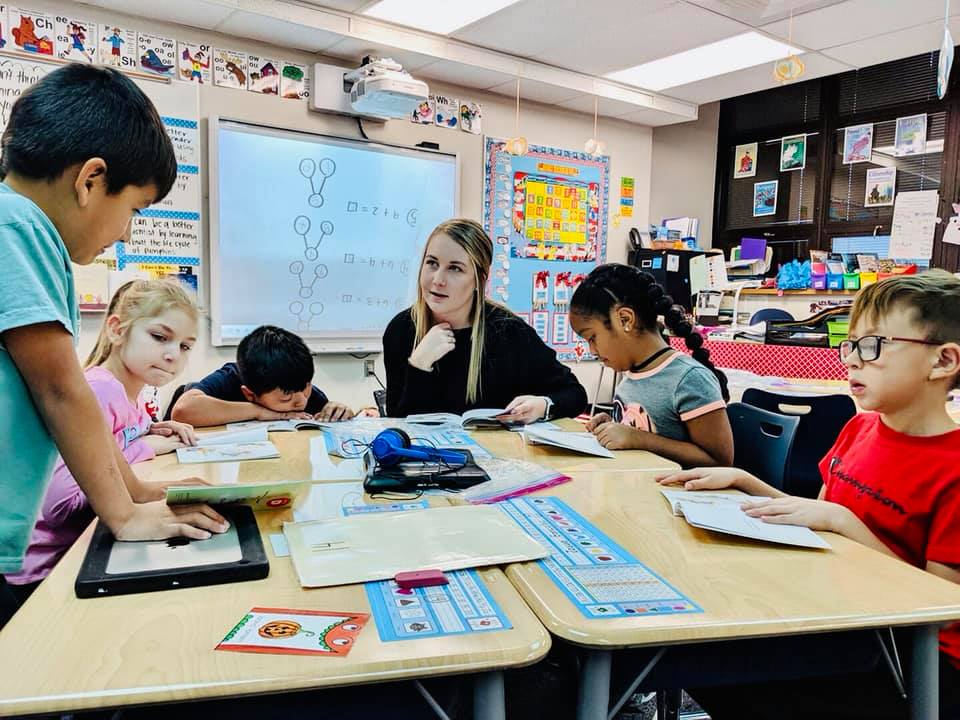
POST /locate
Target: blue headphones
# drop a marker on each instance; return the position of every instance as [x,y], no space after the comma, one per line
[393,446]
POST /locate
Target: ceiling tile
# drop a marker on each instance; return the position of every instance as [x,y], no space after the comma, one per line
[536,91]
[856,20]
[193,13]
[641,38]
[351,6]
[353,50]
[893,46]
[762,12]
[750,80]
[459,74]
[607,107]
[278,32]
[653,118]
[548,28]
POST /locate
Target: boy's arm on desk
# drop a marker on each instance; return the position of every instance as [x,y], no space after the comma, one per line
[45,356]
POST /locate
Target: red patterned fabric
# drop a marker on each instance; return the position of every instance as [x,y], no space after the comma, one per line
[789,361]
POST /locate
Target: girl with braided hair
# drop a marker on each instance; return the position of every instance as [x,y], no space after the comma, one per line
[668,402]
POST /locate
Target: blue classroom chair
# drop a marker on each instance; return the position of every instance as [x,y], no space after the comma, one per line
[762,441]
[770,314]
[821,418]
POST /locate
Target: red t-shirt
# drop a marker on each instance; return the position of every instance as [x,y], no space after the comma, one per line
[906,489]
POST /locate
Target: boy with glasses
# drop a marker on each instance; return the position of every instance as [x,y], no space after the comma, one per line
[891,480]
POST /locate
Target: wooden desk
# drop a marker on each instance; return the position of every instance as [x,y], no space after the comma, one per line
[511,445]
[62,654]
[746,589]
[299,460]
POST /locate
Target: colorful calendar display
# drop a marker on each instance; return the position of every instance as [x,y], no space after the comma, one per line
[555,211]
[546,212]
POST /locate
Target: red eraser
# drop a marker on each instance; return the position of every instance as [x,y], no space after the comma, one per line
[420,578]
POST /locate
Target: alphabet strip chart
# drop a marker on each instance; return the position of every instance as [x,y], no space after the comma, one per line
[462,606]
[598,576]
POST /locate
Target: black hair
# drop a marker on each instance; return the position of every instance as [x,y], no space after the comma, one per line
[79,112]
[271,357]
[613,284]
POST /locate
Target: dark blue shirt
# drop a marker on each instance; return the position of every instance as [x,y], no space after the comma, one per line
[225,383]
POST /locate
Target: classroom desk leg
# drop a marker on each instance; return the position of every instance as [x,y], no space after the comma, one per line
[593,701]
[489,702]
[925,673]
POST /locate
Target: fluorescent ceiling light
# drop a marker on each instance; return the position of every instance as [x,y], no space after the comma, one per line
[436,17]
[724,56]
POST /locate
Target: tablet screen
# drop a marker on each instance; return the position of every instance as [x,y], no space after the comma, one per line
[175,553]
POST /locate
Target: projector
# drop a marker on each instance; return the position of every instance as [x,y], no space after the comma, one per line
[383,88]
[378,90]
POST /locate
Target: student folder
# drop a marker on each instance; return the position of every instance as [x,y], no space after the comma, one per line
[362,548]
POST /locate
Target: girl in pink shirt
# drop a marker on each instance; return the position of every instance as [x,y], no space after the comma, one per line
[150,328]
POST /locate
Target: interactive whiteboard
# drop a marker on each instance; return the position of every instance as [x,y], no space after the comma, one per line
[321,235]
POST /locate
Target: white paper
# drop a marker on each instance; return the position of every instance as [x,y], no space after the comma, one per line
[730,519]
[362,548]
[324,468]
[583,442]
[227,437]
[327,500]
[228,453]
[704,497]
[673,263]
[914,221]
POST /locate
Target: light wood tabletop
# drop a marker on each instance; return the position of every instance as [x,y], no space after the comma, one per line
[512,445]
[746,588]
[61,654]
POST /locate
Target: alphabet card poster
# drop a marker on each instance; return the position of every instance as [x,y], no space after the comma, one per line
[546,212]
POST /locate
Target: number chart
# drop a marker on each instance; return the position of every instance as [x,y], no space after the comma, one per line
[598,576]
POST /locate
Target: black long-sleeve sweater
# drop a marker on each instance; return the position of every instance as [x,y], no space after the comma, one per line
[515,362]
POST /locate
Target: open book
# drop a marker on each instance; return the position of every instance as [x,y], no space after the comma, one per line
[581,442]
[229,446]
[276,495]
[278,425]
[721,512]
[476,419]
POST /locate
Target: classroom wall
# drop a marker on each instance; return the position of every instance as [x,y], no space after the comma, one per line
[683,175]
[341,376]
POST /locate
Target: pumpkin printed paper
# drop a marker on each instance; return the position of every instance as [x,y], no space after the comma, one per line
[295,632]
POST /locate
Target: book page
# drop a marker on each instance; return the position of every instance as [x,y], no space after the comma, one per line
[675,497]
[730,519]
[232,437]
[583,442]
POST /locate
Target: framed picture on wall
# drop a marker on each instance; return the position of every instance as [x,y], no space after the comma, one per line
[911,136]
[745,161]
[880,187]
[857,143]
[765,198]
[793,153]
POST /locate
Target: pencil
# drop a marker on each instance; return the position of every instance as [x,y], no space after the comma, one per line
[593,405]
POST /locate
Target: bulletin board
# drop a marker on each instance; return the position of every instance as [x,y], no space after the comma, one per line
[164,238]
[547,214]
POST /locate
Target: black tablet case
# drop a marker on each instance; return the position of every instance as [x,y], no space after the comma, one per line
[93,580]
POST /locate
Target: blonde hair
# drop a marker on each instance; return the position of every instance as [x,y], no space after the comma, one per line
[470,236]
[136,300]
[932,297]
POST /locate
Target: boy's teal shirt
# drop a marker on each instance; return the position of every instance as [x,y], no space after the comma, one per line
[36,286]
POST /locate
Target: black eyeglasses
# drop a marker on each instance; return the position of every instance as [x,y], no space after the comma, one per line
[869,346]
